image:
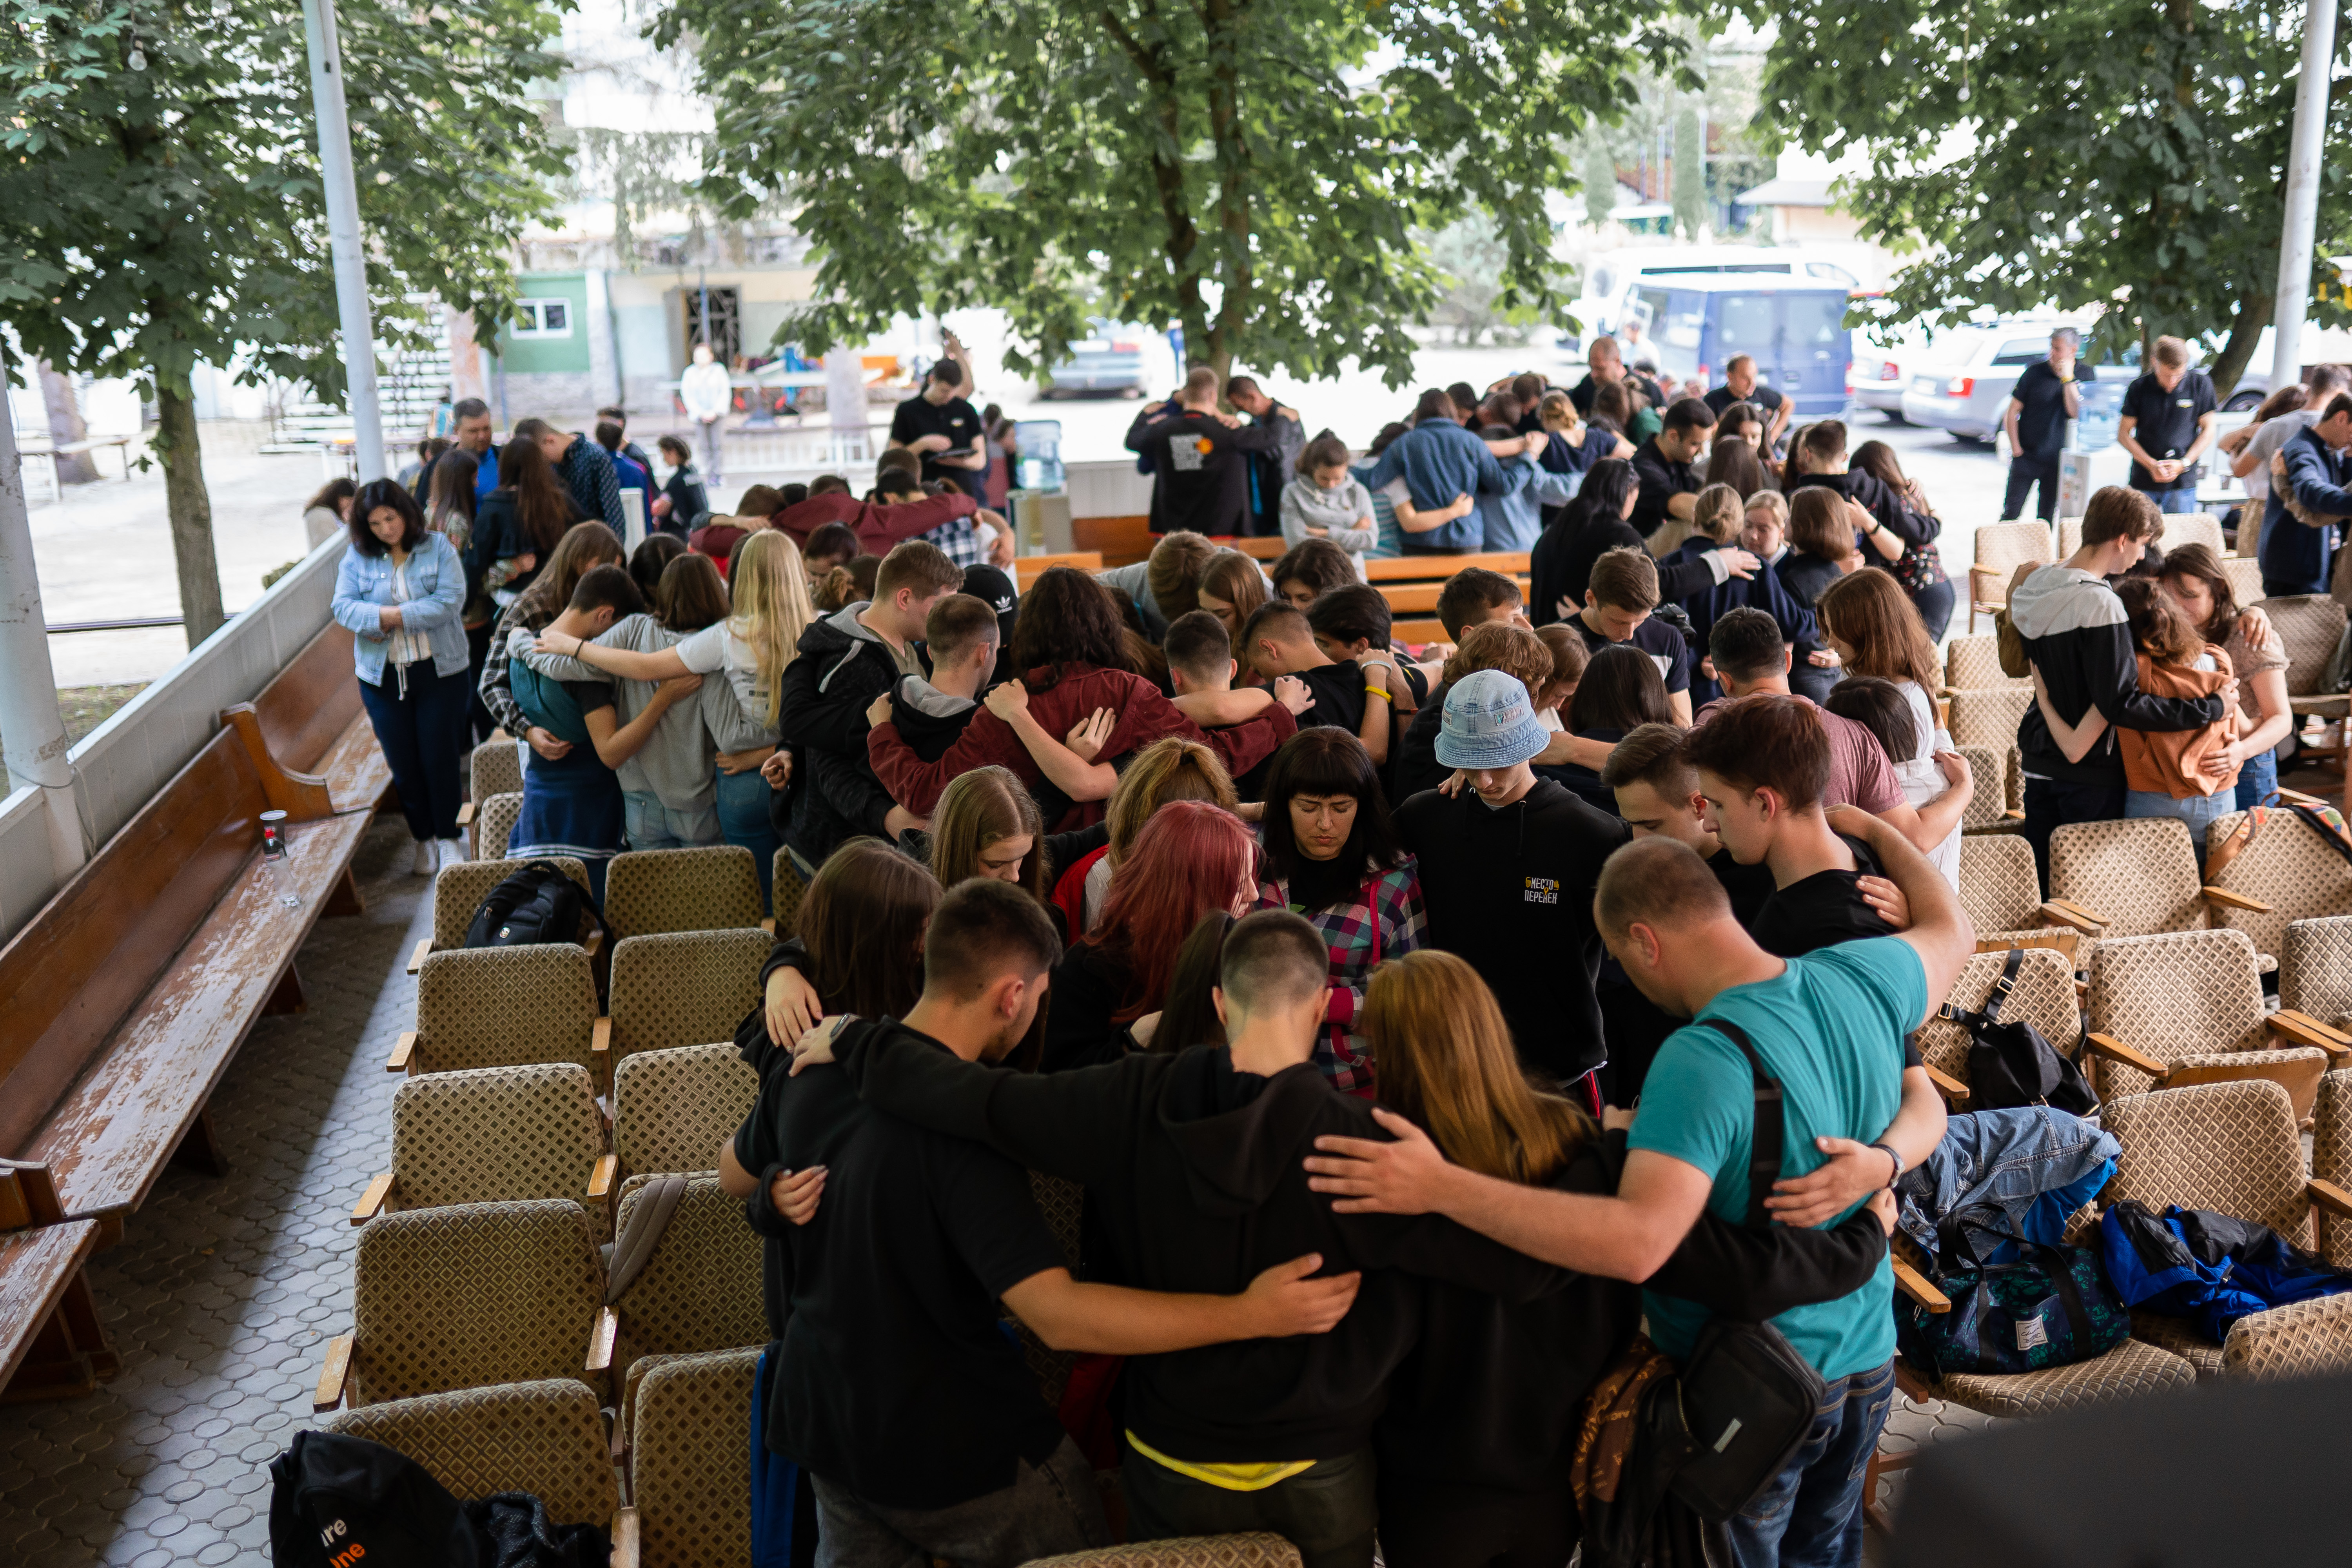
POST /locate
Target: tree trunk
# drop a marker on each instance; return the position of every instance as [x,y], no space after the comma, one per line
[190,507]
[65,425]
[1231,156]
[2246,325]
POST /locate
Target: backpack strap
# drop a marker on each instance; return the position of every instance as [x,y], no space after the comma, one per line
[2003,984]
[643,1233]
[2330,833]
[1771,1125]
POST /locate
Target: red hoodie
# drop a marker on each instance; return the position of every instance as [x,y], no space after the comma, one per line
[877,527]
[1144,716]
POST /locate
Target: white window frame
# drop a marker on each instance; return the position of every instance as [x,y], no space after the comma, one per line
[532,311]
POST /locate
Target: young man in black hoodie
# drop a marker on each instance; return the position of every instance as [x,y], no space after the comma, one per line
[916,1417]
[960,636]
[1507,869]
[847,660]
[1200,459]
[2078,641]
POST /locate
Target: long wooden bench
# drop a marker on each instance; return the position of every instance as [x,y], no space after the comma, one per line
[51,1343]
[1411,583]
[1027,569]
[309,735]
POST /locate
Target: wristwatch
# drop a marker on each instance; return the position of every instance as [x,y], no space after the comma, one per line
[1888,1151]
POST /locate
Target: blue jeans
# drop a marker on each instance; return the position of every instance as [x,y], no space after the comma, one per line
[2198,811]
[416,723]
[743,819]
[2257,779]
[1811,1515]
[2172,502]
[2010,1160]
[652,825]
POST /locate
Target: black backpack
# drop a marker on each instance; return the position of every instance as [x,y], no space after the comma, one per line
[538,903]
[336,1501]
[2011,1064]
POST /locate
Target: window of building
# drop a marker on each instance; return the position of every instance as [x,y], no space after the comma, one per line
[542,318]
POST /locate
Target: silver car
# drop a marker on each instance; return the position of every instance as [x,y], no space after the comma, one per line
[1111,360]
[1964,384]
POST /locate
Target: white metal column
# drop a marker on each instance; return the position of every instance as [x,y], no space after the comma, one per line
[31,730]
[2303,192]
[343,233]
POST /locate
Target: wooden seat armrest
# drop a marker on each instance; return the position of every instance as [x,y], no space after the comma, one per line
[624,1538]
[595,944]
[599,1180]
[403,1049]
[337,1367]
[2230,900]
[600,1339]
[2011,814]
[466,815]
[2330,1197]
[2296,798]
[1913,1284]
[2065,912]
[600,1036]
[2114,1050]
[768,924]
[1946,1085]
[423,951]
[2305,1030]
[372,1202]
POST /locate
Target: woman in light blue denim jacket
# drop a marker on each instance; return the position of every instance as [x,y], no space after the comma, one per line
[400,590]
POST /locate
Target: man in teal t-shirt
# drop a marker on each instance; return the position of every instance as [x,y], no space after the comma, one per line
[1829,1025]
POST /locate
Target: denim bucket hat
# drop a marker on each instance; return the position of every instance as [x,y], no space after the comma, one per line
[1489,723]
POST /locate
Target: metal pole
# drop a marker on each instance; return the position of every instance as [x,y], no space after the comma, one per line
[343,233]
[31,730]
[2301,192]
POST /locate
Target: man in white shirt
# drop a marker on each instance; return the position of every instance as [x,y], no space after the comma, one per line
[707,392]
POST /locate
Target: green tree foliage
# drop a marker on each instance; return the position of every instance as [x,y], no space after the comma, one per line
[1690,174]
[1470,260]
[161,204]
[1600,181]
[1236,166]
[2128,155]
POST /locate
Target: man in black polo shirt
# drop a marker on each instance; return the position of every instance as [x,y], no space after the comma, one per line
[1200,460]
[1666,465]
[913,1411]
[1740,386]
[2046,397]
[2168,423]
[937,423]
[1618,599]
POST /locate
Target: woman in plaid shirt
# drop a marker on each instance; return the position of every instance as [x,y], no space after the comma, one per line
[1334,858]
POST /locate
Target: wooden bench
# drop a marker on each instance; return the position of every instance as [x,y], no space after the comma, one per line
[309,735]
[1119,541]
[51,1343]
[1027,569]
[1411,583]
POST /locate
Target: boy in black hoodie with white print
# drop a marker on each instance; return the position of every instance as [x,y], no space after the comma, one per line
[2080,645]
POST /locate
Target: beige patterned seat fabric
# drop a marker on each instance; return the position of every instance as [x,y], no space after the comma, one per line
[2042,996]
[544,1438]
[2180,1338]
[2138,874]
[684,988]
[788,890]
[2309,1338]
[2287,866]
[1989,798]
[2245,574]
[495,768]
[649,891]
[460,889]
[1989,718]
[504,1006]
[690,1460]
[2001,549]
[701,1288]
[2191,998]
[2331,1160]
[2311,625]
[1258,1549]
[472,1295]
[2130,1370]
[672,1109]
[494,823]
[494,1134]
[1973,664]
[2316,969]
[1997,886]
[2193,528]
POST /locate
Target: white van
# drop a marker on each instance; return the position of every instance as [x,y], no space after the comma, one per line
[1611,276]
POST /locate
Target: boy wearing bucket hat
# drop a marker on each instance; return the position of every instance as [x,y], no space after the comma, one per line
[1509,867]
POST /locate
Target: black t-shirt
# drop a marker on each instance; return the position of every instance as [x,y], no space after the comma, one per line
[955,419]
[896,1382]
[1747,887]
[1819,911]
[1200,467]
[1338,693]
[1664,645]
[2041,399]
[2167,422]
[1661,481]
[1761,396]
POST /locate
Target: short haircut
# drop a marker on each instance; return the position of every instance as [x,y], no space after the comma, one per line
[1659,882]
[1765,743]
[1505,646]
[983,931]
[1197,644]
[469,408]
[760,500]
[1652,754]
[1818,525]
[920,566]
[1879,706]
[1625,578]
[530,429]
[2117,511]
[1689,414]
[608,587]
[1527,387]
[2171,352]
[1746,644]
[1199,381]
[1470,595]
[1173,574]
[1825,440]
[895,481]
[835,542]
[898,460]
[1240,386]
[1736,361]
[2073,339]
[2330,378]
[957,624]
[1273,959]
[1357,613]
[1279,619]
[1604,347]
[828,485]
[2339,404]
[947,371]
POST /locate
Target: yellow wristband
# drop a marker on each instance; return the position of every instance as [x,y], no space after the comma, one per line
[1376,692]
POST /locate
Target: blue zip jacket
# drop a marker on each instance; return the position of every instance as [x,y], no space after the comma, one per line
[1438,461]
[1512,518]
[2295,556]
[1762,592]
[437,583]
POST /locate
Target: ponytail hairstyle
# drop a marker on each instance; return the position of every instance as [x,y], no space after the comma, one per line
[1326,451]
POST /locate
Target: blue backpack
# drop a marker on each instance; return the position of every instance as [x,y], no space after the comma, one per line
[2207,1268]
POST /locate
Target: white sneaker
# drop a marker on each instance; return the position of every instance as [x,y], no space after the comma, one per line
[453,852]
[428,860]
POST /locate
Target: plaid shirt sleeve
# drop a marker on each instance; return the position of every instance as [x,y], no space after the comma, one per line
[961,540]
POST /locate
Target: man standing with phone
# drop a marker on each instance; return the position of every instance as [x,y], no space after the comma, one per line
[2047,395]
[2168,423]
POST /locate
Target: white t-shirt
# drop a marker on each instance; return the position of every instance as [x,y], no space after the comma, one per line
[718,647]
[1922,781]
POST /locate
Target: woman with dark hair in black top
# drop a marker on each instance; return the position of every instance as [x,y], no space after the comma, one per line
[1620,691]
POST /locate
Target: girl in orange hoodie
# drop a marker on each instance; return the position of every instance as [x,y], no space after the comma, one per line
[2183,773]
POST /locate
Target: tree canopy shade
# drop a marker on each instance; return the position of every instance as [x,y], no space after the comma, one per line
[1253,170]
[2129,154]
[161,204]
